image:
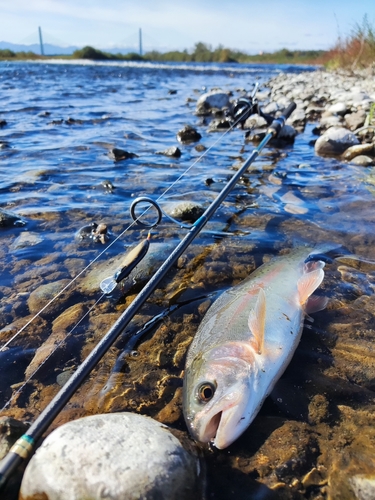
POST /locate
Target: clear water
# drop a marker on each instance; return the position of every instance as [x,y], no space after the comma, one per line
[52,175]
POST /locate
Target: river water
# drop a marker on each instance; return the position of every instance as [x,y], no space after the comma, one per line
[62,122]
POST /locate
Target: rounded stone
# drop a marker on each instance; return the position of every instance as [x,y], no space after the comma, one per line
[214,99]
[119,456]
[335,141]
[363,161]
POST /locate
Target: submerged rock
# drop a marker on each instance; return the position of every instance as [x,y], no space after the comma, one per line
[363,161]
[10,430]
[119,456]
[213,100]
[9,219]
[184,210]
[173,151]
[358,150]
[120,154]
[335,141]
[188,134]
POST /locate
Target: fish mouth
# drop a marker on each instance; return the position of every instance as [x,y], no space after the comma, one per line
[222,428]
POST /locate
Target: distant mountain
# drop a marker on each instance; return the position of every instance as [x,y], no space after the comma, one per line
[51,50]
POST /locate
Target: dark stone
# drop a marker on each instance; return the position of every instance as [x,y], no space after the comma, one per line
[172,92]
[9,219]
[73,121]
[188,134]
[173,151]
[3,123]
[218,125]
[119,154]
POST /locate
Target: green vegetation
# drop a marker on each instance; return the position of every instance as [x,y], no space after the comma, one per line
[357,50]
[204,53]
[97,55]
[9,55]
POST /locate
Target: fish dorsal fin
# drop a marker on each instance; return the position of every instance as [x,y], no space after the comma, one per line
[308,283]
[257,321]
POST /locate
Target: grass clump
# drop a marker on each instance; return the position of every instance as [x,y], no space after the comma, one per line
[355,51]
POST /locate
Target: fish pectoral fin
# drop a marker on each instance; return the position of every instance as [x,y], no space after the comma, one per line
[308,283]
[315,304]
[257,321]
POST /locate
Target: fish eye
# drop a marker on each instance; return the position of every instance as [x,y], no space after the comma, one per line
[206,392]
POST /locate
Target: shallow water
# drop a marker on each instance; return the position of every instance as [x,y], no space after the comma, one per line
[51,176]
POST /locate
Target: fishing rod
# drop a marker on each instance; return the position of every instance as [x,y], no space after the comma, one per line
[24,446]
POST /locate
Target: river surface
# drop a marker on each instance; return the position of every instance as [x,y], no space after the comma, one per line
[58,175]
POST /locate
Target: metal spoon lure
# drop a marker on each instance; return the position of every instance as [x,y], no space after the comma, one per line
[131,259]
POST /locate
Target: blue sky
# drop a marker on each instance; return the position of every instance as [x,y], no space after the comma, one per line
[248,25]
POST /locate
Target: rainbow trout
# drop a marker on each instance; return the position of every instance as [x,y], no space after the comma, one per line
[245,342]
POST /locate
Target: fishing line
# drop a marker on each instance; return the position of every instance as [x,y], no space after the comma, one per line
[24,446]
[58,345]
[133,223]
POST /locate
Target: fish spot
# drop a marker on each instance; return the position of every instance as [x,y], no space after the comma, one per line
[286,316]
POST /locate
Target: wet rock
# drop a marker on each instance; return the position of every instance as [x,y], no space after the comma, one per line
[25,240]
[44,293]
[200,148]
[218,125]
[288,453]
[188,134]
[108,186]
[318,409]
[297,118]
[73,121]
[3,123]
[93,232]
[119,456]
[56,122]
[255,121]
[335,141]
[358,150]
[9,219]
[287,133]
[212,100]
[10,430]
[355,120]
[363,161]
[184,210]
[63,377]
[363,487]
[120,154]
[173,151]
[351,460]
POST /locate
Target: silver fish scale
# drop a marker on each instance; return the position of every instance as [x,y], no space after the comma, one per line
[227,318]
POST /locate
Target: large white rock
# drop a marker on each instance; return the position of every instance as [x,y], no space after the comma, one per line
[120,456]
[339,108]
[335,141]
[214,99]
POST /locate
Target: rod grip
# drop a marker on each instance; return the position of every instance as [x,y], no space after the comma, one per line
[289,110]
[278,123]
